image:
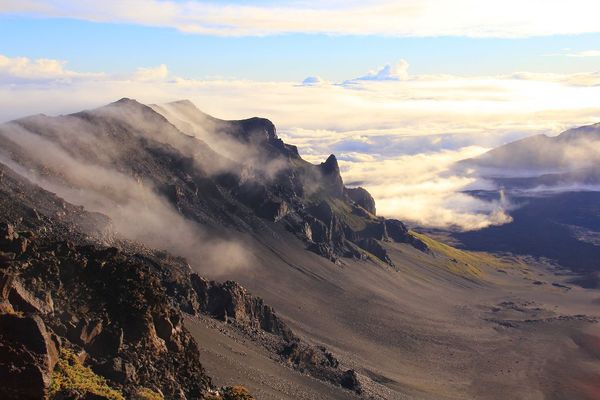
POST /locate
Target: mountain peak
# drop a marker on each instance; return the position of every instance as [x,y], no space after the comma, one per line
[126,100]
[182,103]
[330,165]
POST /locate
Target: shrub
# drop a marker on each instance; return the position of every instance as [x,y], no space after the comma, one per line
[71,376]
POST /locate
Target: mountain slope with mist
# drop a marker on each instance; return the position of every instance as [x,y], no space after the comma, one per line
[165,226]
[553,187]
[573,152]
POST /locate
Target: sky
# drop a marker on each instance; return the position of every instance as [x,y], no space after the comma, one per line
[399,90]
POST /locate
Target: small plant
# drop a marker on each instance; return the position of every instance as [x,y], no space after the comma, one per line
[147,394]
[231,393]
[71,376]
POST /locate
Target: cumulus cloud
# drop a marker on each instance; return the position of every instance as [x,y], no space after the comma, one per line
[313,81]
[474,18]
[390,72]
[19,69]
[151,74]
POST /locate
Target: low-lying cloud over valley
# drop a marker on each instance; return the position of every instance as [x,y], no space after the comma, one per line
[398,135]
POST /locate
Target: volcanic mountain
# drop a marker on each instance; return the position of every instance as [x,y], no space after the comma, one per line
[136,241]
[552,185]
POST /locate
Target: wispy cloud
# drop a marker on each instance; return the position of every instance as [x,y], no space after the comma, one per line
[473,18]
[586,53]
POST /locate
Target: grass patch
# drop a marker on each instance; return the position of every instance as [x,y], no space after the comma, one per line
[464,262]
[71,376]
[147,394]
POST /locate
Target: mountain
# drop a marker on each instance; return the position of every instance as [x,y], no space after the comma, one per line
[158,252]
[574,149]
[552,185]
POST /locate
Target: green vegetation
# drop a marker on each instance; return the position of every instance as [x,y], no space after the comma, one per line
[464,262]
[147,394]
[7,308]
[71,376]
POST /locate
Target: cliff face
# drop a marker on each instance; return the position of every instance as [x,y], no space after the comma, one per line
[114,313]
[310,200]
[78,292]
[109,307]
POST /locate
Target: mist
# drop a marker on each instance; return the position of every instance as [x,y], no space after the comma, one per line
[84,170]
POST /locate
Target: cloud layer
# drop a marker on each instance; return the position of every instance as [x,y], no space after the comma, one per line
[383,130]
[474,18]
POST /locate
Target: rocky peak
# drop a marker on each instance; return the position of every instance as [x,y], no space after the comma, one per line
[261,127]
[330,166]
[333,183]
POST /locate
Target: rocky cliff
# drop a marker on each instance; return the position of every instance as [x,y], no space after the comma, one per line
[90,307]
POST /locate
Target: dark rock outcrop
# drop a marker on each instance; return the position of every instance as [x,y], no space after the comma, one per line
[399,233]
[28,354]
[350,381]
[110,304]
[230,301]
[363,198]
[332,179]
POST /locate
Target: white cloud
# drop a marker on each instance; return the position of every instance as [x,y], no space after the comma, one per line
[580,54]
[422,189]
[587,53]
[23,68]
[398,138]
[151,74]
[474,18]
[390,72]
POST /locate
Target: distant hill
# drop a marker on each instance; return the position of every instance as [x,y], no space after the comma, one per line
[575,149]
[553,187]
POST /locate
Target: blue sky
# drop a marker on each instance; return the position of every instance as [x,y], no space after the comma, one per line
[119,47]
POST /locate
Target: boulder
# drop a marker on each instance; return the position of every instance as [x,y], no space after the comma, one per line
[117,370]
[7,232]
[28,354]
[6,281]
[89,331]
[350,381]
[23,300]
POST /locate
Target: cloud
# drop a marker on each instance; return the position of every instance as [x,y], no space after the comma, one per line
[151,74]
[313,81]
[381,130]
[581,54]
[424,18]
[97,179]
[390,72]
[422,189]
[20,69]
